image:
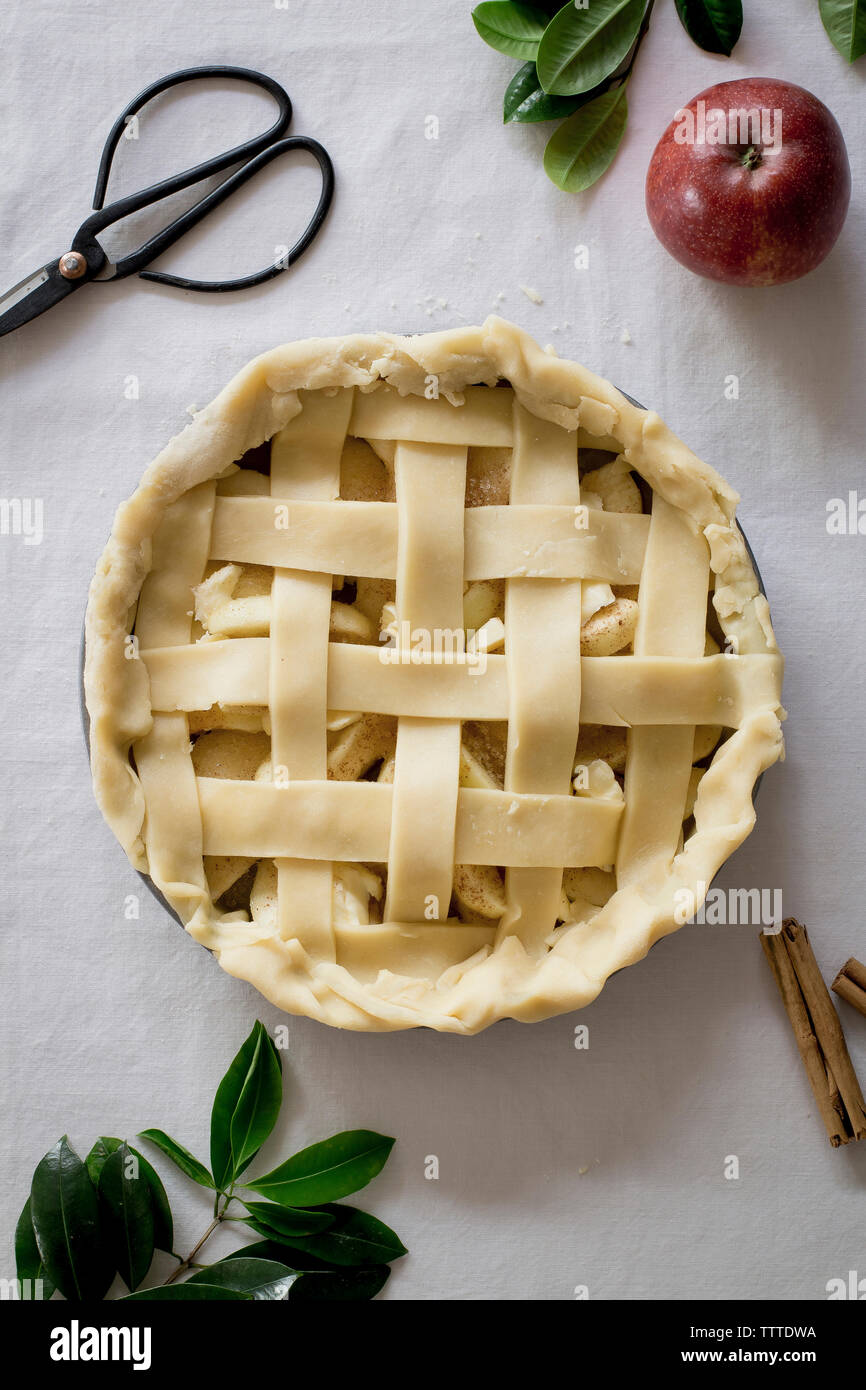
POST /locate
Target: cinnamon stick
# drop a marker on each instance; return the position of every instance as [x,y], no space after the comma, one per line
[817,1031]
[826,1094]
[850,984]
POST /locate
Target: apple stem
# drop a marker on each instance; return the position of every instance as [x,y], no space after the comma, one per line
[752,157]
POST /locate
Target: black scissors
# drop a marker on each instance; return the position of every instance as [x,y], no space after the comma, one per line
[85,258]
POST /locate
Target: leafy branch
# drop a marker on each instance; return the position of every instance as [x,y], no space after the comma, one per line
[577,62]
[88,1220]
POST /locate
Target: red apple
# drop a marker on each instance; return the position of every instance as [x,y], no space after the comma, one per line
[759,193]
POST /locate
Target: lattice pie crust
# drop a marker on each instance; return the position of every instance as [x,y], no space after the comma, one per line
[379,821]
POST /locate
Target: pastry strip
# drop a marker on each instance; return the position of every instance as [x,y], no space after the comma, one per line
[615,690]
[305,463]
[672,621]
[431,486]
[542,625]
[351,821]
[173,832]
[554,541]
[360,538]
[484,417]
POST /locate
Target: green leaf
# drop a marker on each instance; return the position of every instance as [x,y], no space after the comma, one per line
[325,1282]
[225,1101]
[187,1293]
[526,100]
[28,1261]
[845,22]
[126,1194]
[582,148]
[286,1221]
[245,1107]
[582,47]
[66,1221]
[713,24]
[261,1279]
[258,1104]
[269,1235]
[509,28]
[327,1171]
[95,1160]
[269,1250]
[163,1224]
[356,1238]
[341,1286]
[282,1242]
[182,1157]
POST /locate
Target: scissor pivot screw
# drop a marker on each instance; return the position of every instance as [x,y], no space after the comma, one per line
[72,265]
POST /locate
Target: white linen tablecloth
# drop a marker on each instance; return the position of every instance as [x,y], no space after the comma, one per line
[558,1167]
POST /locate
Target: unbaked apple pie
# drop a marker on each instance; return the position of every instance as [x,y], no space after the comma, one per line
[425,675]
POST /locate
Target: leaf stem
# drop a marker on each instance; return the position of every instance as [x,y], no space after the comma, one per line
[622,77]
[188,1263]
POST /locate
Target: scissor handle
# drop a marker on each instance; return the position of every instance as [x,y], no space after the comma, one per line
[257,151]
[158,243]
[211,166]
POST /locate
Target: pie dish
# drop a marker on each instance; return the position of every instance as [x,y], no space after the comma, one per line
[425,676]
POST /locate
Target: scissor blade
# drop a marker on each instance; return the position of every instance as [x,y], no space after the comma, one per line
[33,295]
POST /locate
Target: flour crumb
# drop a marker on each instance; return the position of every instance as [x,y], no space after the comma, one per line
[625,336]
[532,295]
